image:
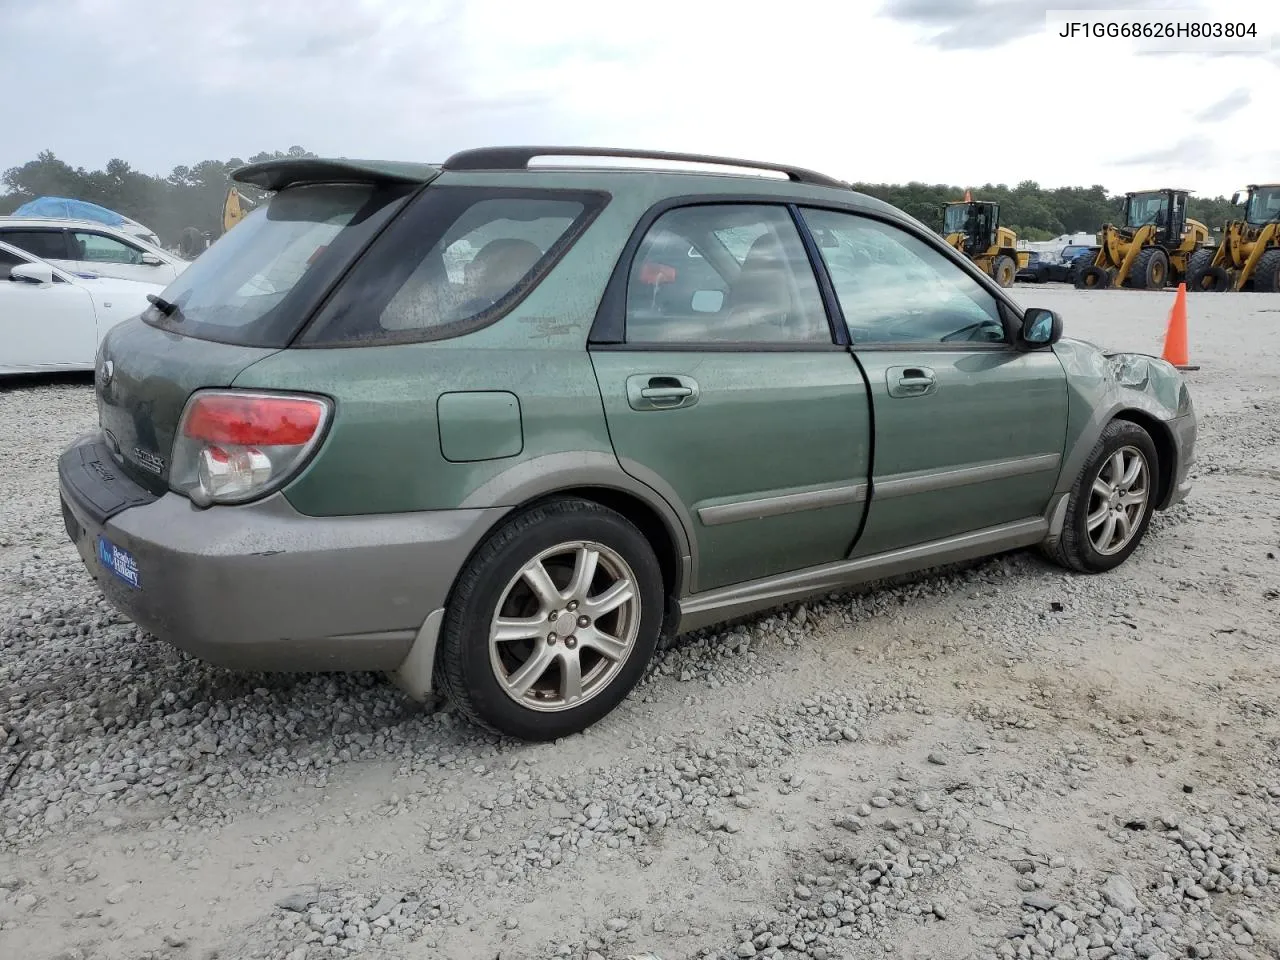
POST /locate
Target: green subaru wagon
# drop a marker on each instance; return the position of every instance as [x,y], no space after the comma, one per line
[498,429]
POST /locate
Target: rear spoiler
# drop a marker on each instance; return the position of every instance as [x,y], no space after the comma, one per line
[291,171]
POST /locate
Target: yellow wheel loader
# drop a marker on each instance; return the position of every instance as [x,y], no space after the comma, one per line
[973,228]
[235,207]
[1150,250]
[1249,256]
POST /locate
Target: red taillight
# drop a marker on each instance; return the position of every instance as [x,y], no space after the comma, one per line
[235,446]
[253,421]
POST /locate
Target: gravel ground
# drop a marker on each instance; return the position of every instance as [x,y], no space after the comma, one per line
[999,760]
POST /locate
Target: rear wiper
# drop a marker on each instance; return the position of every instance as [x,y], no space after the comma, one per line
[165,307]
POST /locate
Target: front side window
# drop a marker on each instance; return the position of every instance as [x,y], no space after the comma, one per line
[895,288]
[458,258]
[45,244]
[97,248]
[751,281]
[7,262]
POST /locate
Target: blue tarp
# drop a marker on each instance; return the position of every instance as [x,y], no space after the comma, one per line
[62,208]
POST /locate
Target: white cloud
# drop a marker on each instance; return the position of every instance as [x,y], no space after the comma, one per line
[864,92]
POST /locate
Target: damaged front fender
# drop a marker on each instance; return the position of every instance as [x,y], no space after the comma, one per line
[1104,384]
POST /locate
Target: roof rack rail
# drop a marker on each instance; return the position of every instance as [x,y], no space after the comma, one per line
[517,158]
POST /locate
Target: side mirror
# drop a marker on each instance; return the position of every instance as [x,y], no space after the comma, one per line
[40,273]
[1041,327]
[151,260]
[1235,199]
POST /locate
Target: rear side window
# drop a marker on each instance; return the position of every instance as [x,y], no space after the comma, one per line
[457,259]
[724,273]
[45,244]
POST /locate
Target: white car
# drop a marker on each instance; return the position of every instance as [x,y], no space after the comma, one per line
[85,246]
[52,320]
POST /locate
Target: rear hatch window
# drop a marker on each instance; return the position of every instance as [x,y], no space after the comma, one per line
[259,282]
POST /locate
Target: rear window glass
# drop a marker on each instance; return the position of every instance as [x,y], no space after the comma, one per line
[457,259]
[260,281]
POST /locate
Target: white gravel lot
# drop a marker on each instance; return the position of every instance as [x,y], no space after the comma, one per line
[1000,761]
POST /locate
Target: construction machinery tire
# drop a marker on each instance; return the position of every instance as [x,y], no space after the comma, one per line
[1092,277]
[1077,271]
[1003,270]
[1266,275]
[1202,276]
[1150,270]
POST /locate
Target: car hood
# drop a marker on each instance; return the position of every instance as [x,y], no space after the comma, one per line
[1159,384]
[119,286]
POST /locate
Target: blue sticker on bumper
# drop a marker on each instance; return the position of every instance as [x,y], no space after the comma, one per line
[118,561]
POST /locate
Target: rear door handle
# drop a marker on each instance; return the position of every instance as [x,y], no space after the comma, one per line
[910,381]
[661,391]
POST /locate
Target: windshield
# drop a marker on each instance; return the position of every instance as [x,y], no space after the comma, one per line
[953,221]
[1145,208]
[258,283]
[1264,205]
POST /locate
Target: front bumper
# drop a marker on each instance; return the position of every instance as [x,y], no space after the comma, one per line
[1184,430]
[261,586]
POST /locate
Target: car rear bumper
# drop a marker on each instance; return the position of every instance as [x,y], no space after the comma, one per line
[261,586]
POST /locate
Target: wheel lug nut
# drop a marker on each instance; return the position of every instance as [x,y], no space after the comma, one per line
[570,642]
[552,638]
[553,614]
[573,605]
[584,621]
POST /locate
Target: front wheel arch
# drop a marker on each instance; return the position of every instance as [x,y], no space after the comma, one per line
[1162,437]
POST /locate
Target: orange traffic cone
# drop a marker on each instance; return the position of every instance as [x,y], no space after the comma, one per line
[1175,338]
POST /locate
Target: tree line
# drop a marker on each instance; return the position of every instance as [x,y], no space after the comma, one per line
[188,197]
[192,196]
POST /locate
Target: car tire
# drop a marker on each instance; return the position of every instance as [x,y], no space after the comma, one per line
[481,674]
[1082,545]
[1266,275]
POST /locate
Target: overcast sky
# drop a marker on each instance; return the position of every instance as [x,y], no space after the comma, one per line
[954,91]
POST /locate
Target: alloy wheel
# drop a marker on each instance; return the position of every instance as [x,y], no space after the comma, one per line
[565,625]
[1118,500]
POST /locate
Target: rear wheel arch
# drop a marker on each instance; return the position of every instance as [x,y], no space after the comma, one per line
[661,528]
[646,518]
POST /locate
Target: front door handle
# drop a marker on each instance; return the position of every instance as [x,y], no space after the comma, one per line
[910,381]
[660,391]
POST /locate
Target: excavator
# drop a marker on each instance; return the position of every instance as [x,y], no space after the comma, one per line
[235,207]
[1150,249]
[1248,258]
[973,228]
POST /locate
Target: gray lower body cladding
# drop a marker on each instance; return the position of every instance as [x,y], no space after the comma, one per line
[261,586]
